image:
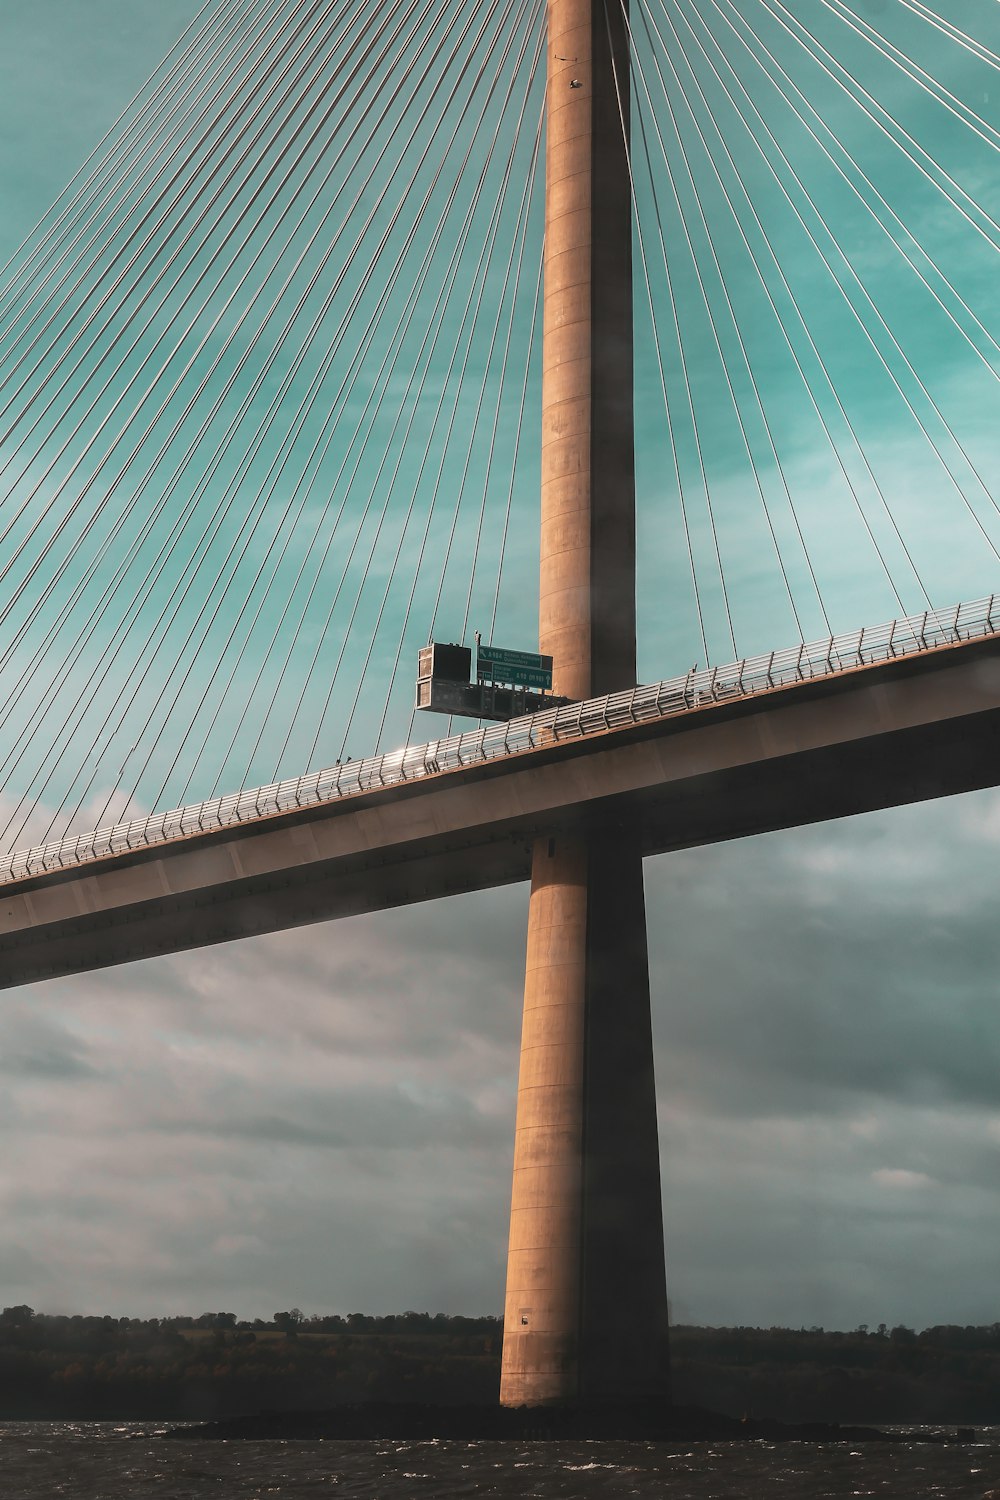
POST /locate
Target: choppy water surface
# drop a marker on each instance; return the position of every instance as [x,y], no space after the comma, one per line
[129,1461]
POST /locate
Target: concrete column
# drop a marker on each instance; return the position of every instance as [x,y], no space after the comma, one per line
[564,613]
[585,1314]
[623,1299]
[587,583]
[542,1309]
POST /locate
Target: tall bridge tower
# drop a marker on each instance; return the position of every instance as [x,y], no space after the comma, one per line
[586,1309]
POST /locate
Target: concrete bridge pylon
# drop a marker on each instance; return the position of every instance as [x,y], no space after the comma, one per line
[586,1308]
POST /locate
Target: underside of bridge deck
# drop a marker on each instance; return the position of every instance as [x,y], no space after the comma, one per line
[904,731]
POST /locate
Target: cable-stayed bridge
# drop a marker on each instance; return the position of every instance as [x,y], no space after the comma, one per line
[270,374]
[876,719]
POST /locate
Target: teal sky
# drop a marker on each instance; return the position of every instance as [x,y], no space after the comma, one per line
[324,1118]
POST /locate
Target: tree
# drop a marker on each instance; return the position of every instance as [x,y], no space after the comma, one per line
[288,1322]
[17,1317]
[217,1320]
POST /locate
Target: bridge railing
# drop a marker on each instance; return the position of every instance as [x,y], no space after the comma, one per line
[659,700]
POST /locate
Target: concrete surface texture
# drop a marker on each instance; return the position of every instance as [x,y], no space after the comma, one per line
[585,1314]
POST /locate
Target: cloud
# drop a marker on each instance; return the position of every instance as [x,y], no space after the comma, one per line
[850,962]
[47,1059]
[334,1105]
[899,1177]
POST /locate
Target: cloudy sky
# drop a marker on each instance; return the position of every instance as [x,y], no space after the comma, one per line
[323,1118]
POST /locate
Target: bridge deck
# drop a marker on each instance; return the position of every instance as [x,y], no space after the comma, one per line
[890,715]
[660,700]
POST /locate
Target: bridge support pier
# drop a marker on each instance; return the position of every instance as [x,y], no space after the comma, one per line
[586,1312]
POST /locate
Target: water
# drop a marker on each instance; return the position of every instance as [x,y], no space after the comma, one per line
[129,1461]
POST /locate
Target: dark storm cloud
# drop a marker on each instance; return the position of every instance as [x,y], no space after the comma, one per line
[828,1034]
[353,1120]
[34,1048]
[314,1117]
[342,988]
[840,964]
[46,1062]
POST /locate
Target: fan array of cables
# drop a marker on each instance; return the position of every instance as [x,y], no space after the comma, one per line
[257,370]
[817,242]
[269,372]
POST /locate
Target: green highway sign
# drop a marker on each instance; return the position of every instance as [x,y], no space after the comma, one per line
[516,658]
[525,668]
[523,677]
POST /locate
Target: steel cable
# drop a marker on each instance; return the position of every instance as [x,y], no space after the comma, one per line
[216,127]
[692,412]
[948,29]
[816,355]
[900,351]
[136,306]
[914,72]
[14,557]
[192,447]
[856,166]
[533,346]
[203,343]
[867,333]
[978,208]
[757,396]
[403,323]
[402,200]
[708,309]
[142,120]
[260,606]
[519,233]
[435,323]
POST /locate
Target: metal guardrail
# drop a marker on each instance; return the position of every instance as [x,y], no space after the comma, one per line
[659,700]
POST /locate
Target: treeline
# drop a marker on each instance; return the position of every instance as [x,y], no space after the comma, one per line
[216,1365]
[946,1373]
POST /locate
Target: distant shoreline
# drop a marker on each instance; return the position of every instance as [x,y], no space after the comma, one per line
[214,1367]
